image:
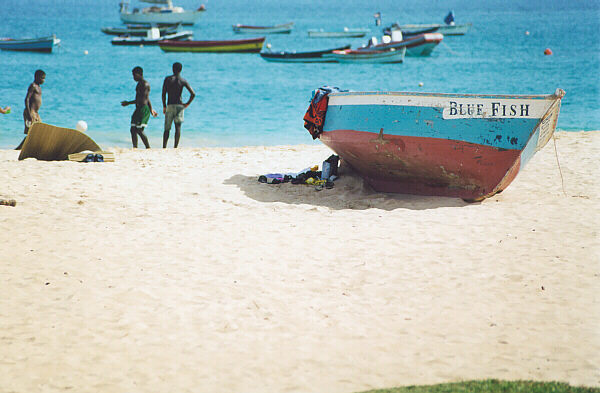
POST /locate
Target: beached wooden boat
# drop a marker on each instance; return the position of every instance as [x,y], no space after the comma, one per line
[302,57]
[164,14]
[151,39]
[421,45]
[41,44]
[457,145]
[285,28]
[345,33]
[139,30]
[369,56]
[252,45]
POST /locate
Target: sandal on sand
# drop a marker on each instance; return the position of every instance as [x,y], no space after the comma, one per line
[89,158]
[99,158]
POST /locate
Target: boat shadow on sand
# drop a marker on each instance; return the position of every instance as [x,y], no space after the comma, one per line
[350,192]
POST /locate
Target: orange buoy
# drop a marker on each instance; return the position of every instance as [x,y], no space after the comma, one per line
[548,51]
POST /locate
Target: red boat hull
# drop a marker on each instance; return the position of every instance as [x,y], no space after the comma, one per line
[425,166]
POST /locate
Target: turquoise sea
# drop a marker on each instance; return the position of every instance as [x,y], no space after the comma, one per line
[244,100]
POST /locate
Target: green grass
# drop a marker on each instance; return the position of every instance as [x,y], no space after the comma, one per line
[492,386]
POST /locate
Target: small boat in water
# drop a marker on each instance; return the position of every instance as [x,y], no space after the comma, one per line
[469,146]
[448,28]
[152,38]
[302,57]
[395,27]
[285,28]
[345,33]
[41,44]
[252,45]
[420,45]
[139,30]
[369,56]
[164,14]
[442,29]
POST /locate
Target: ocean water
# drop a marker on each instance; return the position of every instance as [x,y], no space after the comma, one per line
[244,100]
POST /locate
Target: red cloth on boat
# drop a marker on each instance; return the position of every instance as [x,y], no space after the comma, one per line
[315,115]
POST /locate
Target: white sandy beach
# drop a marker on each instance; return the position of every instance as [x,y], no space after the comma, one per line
[176,271]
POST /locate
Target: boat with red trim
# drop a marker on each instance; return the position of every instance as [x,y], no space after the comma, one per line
[41,44]
[470,146]
[419,45]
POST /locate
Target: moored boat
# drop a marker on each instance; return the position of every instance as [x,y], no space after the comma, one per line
[469,146]
[41,44]
[420,45]
[345,33]
[461,29]
[139,30]
[285,28]
[164,14]
[390,29]
[448,28]
[252,45]
[152,39]
[369,56]
[302,57]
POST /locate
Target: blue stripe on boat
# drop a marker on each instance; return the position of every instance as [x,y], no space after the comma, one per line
[529,149]
[428,122]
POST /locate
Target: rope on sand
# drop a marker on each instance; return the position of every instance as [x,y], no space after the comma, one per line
[562,180]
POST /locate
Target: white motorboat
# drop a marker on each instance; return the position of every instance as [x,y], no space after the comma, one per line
[166,13]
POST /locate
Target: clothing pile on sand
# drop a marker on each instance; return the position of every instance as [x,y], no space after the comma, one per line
[310,176]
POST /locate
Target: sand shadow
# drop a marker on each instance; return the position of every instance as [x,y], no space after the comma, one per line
[350,192]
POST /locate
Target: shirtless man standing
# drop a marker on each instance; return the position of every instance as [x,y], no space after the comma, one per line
[173,108]
[33,103]
[143,108]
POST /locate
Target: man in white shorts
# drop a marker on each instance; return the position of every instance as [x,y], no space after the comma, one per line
[173,107]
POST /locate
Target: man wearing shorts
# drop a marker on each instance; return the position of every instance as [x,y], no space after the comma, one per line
[33,103]
[173,107]
[143,108]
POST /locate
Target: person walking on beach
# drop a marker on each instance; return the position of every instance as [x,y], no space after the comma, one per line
[173,107]
[143,108]
[33,103]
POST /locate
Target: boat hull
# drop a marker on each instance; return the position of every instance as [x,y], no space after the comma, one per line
[420,45]
[257,30]
[461,29]
[137,32]
[136,41]
[185,17]
[424,49]
[42,45]
[445,145]
[231,46]
[302,57]
[388,56]
[337,34]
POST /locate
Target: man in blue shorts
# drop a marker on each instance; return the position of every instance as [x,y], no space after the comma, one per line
[173,107]
[143,108]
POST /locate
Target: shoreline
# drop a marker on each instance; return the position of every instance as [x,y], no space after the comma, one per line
[175,270]
[155,137]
